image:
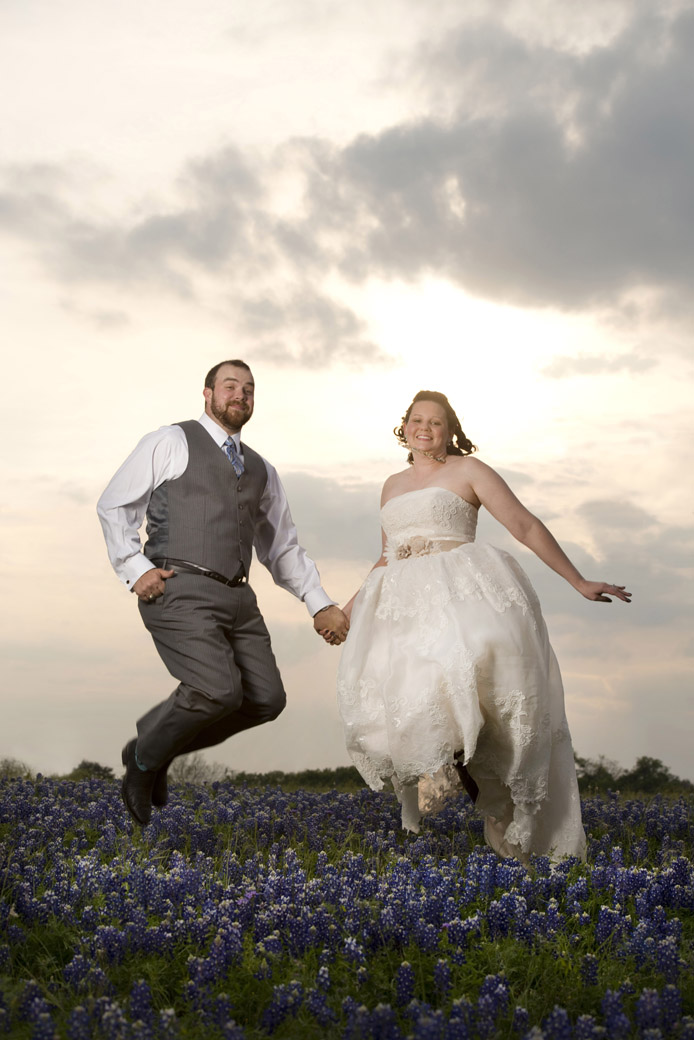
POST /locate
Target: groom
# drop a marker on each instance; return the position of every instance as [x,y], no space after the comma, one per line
[209,500]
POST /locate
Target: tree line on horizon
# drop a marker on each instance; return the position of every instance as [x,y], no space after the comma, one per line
[595,776]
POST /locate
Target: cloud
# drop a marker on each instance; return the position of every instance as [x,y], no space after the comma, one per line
[222,246]
[556,163]
[76,493]
[320,331]
[103,318]
[564,366]
[608,513]
[334,520]
[535,175]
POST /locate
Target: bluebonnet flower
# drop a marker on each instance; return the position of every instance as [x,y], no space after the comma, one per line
[460,1022]
[78,1025]
[231,1031]
[353,951]
[520,1020]
[442,977]
[589,969]
[648,1010]
[426,935]
[362,975]
[43,1027]
[286,1000]
[616,1021]
[492,1002]
[557,1025]
[587,1028]
[140,1003]
[667,958]
[499,916]
[219,1016]
[384,1024]
[404,983]
[110,942]
[32,1003]
[112,1021]
[77,971]
[612,925]
[317,1004]
[429,1026]
[168,1027]
[323,977]
[670,1006]
[358,1023]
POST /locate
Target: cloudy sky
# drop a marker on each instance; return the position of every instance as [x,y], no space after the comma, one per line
[492,198]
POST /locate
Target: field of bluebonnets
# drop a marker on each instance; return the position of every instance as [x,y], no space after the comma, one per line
[248,912]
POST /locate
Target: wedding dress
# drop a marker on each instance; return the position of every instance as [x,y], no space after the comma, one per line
[448,655]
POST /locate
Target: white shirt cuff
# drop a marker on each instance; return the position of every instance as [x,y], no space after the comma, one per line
[316,599]
[134,568]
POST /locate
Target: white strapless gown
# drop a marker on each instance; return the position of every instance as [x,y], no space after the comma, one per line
[448,652]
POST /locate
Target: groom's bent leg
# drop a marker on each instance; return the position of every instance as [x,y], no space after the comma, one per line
[263,693]
[194,626]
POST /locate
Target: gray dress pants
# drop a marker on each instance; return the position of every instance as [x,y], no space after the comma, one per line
[214,641]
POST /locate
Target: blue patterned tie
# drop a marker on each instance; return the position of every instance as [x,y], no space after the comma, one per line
[229,448]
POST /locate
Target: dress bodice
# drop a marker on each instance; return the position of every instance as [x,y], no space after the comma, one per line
[426,520]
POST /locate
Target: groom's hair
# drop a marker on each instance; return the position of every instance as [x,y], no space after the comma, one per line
[212,374]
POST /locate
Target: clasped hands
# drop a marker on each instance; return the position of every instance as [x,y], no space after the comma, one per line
[332,624]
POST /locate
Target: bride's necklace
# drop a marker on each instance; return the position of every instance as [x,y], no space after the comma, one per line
[428,454]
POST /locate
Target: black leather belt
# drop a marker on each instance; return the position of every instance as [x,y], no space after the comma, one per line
[195,568]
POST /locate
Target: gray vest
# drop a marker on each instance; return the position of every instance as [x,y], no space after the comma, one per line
[208,514]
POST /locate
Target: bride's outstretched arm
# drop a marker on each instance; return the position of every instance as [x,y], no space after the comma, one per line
[497,497]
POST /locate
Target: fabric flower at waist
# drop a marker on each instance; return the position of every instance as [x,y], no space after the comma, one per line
[418,545]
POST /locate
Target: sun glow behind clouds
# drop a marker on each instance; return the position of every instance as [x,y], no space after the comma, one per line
[490,359]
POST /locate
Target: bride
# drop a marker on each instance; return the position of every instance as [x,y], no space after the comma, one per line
[447,674]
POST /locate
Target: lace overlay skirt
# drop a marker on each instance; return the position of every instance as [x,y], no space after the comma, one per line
[448,655]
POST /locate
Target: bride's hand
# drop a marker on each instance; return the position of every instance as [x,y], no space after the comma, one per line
[600,591]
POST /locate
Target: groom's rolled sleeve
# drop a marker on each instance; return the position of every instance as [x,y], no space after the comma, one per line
[277,547]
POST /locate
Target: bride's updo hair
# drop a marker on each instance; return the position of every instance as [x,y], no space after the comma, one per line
[458,444]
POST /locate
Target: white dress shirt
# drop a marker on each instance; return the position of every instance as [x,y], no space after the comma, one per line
[163,455]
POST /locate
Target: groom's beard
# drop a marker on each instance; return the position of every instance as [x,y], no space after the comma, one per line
[232,415]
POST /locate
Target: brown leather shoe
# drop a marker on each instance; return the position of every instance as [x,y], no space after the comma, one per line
[137,786]
[160,791]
